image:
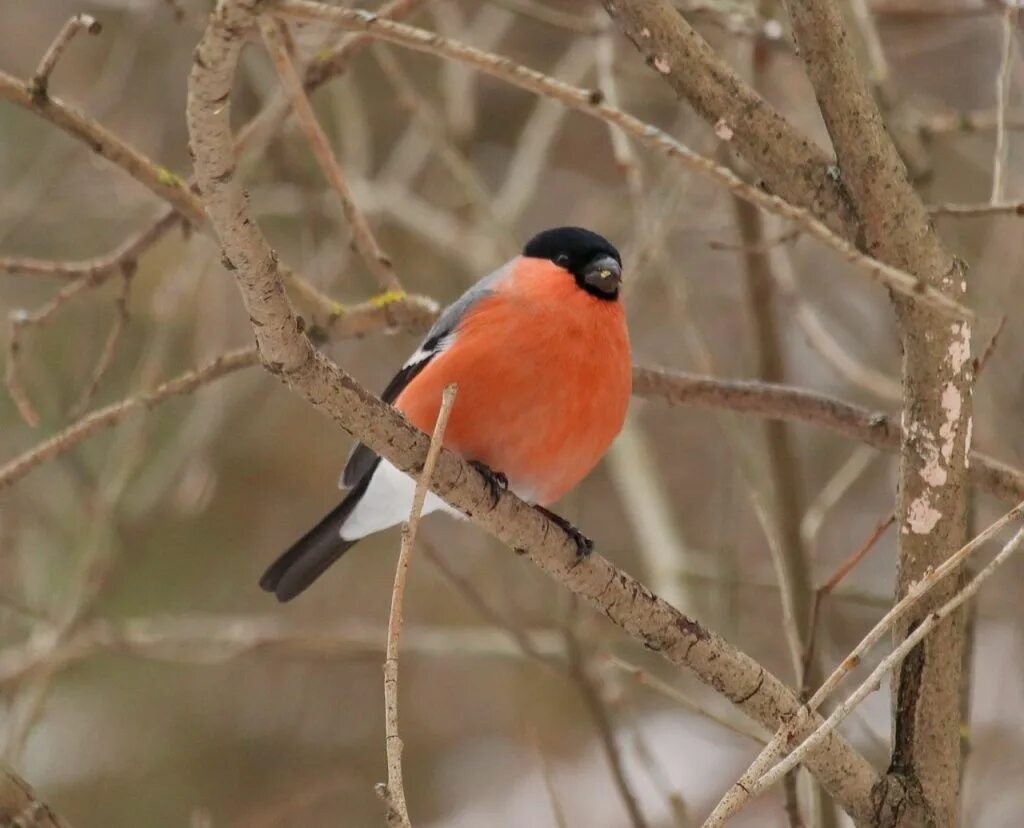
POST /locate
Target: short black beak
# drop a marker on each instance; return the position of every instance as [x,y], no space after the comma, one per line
[603,276]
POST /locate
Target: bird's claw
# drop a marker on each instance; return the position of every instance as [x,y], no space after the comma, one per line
[496,481]
[584,545]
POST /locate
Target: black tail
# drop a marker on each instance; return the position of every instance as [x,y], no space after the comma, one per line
[314,552]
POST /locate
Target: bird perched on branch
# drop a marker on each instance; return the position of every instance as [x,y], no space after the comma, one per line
[540,352]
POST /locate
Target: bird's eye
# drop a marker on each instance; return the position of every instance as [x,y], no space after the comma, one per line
[562,259]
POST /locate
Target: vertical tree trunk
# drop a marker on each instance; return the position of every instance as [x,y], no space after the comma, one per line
[937,380]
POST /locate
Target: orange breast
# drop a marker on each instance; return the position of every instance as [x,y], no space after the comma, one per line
[544,374]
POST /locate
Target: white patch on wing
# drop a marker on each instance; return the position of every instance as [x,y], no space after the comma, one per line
[443,344]
[387,502]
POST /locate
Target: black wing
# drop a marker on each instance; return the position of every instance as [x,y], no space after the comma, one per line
[363,459]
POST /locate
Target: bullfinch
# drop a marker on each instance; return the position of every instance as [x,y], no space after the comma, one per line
[540,352]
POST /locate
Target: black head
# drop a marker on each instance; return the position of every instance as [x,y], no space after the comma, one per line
[591,258]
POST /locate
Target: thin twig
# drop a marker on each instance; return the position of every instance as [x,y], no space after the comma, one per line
[912,597]
[339,322]
[622,148]
[740,792]
[12,375]
[837,577]
[763,246]
[588,103]
[111,415]
[818,335]
[543,13]
[590,690]
[20,807]
[650,509]
[460,167]
[41,77]
[393,792]
[524,171]
[159,180]
[872,682]
[106,357]
[98,270]
[1000,153]
[557,811]
[981,120]
[362,236]
[981,210]
[642,677]
[793,566]
[468,590]
[833,490]
[200,639]
[990,349]
[657,774]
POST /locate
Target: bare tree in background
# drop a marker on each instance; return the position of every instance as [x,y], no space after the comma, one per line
[419,166]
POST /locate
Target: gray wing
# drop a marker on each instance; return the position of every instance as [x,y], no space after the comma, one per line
[362,460]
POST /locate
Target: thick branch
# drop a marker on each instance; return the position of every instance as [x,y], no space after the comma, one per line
[785,402]
[284,349]
[773,402]
[937,383]
[789,164]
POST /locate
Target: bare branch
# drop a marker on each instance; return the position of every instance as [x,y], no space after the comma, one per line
[557,811]
[937,380]
[590,690]
[999,153]
[362,236]
[889,663]
[393,792]
[338,321]
[1012,208]
[109,350]
[111,415]
[784,402]
[460,167]
[213,639]
[96,271]
[820,338]
[159,180]
[646,679]
[285,351]
[19,805]
[41,77]
[837,577]
[741,792]
[787,161]
[650,136]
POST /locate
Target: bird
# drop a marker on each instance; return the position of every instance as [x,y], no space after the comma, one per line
[540,352]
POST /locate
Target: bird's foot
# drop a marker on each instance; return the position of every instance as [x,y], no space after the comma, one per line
[496,481]
[584,545]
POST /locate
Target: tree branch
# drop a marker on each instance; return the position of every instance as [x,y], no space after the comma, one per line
[393,792]
[591,104]
[789,164]
[363,239]
[287,352]
[19,805]
[77,23]
[158,180]
[893,225]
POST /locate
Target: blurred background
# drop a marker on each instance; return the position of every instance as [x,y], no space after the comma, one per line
[144,677]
